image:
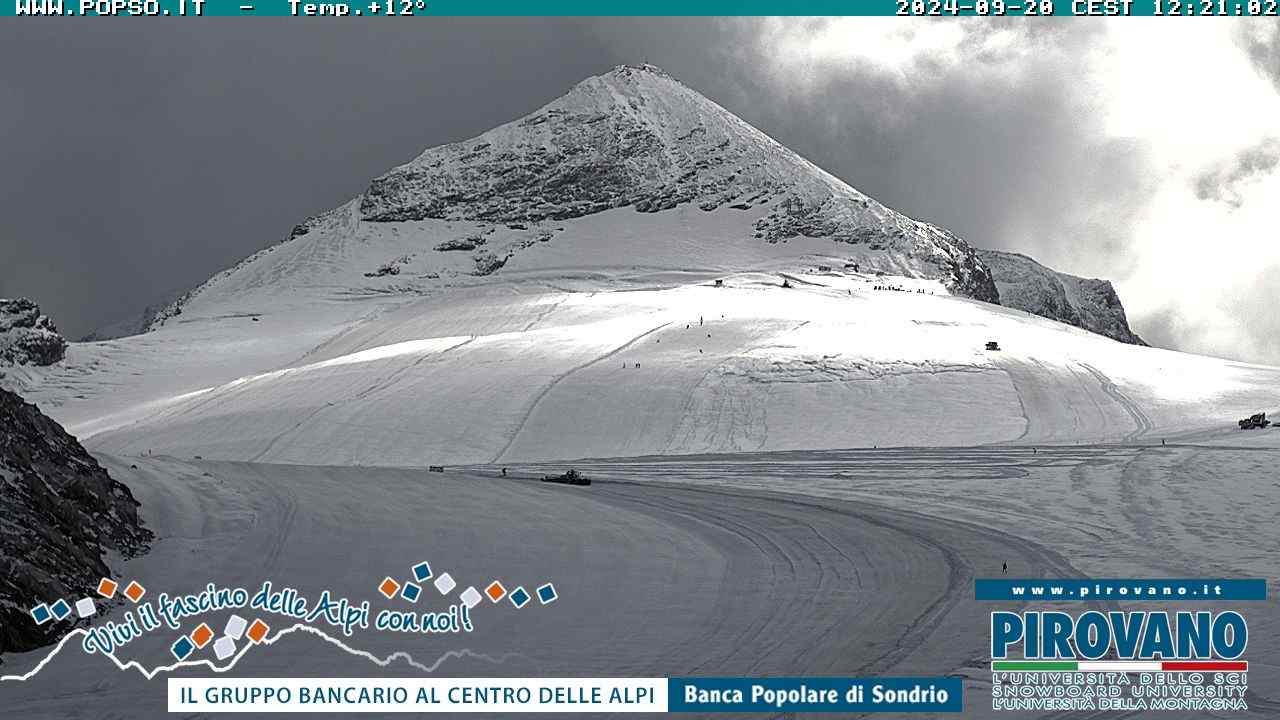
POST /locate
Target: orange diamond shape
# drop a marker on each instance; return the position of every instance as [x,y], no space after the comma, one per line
[201,635]
[495,591]
[107,587]
[388,588]
[258,630]
[135,591]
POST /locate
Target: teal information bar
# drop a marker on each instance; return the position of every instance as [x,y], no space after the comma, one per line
[387,10]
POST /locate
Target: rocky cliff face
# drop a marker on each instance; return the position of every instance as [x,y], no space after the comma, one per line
[1090,304]
[59,513]
[26,336]
[635,137]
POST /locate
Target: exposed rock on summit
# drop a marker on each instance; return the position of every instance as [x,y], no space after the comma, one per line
[636,137]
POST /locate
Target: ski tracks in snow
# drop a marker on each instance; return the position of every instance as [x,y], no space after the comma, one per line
[1142,423]
[528,413]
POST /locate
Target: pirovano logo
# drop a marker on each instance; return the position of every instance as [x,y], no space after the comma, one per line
[1139,660]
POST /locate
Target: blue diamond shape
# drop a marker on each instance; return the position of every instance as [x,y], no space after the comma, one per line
[60,609]
[410,592]
[547,593]
[519,597]
[41,614]
[182,648]
[422,572]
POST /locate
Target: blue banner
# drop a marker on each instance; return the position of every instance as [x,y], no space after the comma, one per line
[815,694]
[1120,589]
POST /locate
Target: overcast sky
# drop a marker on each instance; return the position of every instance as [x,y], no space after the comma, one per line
[137,159]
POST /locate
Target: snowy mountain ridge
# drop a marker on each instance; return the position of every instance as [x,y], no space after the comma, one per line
[1086,303]
[636,137]
[630,270]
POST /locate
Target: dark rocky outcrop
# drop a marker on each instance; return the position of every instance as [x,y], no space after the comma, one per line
[26,336]
[464,243]
[60,512]
[1085,303]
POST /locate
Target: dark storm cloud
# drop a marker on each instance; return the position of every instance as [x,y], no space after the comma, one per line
[1005,147]
[140,159]
[1223,183]
[137,159]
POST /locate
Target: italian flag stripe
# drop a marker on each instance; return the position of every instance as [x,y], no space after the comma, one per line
[1120,665]
[1194,665]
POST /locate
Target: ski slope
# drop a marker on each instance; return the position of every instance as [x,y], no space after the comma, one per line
[548,290]
[598,344]
[726,582]
[791,482]
[810,563]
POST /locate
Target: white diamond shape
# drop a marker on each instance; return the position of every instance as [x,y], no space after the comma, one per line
[224,648]
[445,583]
[235,627]
[470,597]
[85,607]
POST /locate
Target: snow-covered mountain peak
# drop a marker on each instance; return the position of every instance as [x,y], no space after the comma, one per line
[630,168]
[629,270]
[636,137]
[627,70]
[632,136]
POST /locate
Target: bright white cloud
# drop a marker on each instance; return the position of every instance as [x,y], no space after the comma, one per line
[1193,95]
[1189,92]
[885,44]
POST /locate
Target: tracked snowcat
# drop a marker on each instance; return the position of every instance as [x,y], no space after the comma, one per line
[1255,421]
[570,477]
